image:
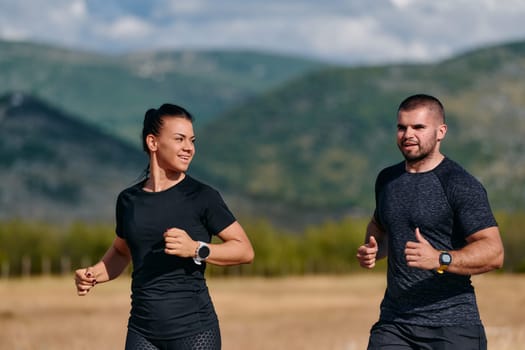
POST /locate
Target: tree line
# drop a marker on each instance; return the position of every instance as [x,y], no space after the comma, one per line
[36,248]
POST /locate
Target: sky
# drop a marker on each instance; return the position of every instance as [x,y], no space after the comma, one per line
[341,31]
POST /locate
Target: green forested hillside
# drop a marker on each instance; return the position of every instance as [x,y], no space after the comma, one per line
[115,91]
[58,169]
[299,153]
[320,140]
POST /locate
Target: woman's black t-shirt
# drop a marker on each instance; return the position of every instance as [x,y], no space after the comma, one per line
[169,297]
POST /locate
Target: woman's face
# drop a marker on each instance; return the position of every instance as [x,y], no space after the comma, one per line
[174,147]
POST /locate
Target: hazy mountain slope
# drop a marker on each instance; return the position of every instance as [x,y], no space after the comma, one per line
[56,168]
[115,91]
[305,151]
[320,140]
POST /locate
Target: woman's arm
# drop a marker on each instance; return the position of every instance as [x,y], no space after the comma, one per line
[235,247]
[112,264]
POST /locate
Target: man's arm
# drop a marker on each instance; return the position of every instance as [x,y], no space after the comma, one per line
[380,235]
[483,253]
[375,247]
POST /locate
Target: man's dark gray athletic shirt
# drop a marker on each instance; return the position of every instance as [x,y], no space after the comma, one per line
[169,298]
[447,204]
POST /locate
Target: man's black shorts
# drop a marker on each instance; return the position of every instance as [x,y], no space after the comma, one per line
[395,336]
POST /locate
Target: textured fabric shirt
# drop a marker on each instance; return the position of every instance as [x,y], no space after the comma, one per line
[169,297]
[447,204]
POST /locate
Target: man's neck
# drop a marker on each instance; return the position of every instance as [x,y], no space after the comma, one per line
[424,165]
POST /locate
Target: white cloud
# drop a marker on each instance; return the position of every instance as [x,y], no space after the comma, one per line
[57,21]
[180,7]
[78,8]
[402,3]
[127,27]
[345,31]
[67,15]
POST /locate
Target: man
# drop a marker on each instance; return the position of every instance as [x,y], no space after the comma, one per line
[434,223]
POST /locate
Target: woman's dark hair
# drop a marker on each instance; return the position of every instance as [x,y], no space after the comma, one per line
[153,120]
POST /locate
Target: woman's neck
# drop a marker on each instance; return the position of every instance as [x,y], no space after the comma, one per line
[159,181]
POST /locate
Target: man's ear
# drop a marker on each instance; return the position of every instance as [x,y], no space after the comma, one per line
[442,131]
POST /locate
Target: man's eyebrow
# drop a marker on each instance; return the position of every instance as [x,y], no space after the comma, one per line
[417,125]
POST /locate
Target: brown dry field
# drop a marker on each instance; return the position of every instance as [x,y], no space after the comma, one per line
[327,312]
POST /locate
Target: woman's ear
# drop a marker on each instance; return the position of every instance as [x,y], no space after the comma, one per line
[151,142]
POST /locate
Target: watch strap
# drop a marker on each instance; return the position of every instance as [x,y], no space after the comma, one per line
[197,258]
[443,266]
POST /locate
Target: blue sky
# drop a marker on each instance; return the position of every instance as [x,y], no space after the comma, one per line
[344,31]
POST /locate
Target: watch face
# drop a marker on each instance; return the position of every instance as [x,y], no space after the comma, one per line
[445,258]
[204,251]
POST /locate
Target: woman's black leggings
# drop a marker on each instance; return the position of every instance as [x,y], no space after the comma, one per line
[207,340]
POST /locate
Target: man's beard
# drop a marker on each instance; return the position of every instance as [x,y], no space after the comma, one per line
[412,158]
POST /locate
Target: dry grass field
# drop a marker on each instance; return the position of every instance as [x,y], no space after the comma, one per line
[329,312]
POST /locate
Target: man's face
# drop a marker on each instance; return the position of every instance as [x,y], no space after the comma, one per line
[419,132]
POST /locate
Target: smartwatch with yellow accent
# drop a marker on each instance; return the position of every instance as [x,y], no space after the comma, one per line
[444,261]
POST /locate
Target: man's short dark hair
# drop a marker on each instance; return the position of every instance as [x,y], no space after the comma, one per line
[422,100]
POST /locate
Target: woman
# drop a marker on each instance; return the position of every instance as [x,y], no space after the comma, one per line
[164,225]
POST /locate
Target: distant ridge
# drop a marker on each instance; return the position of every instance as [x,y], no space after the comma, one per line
[115,91]
[319,140]
[57,168]
[303,151]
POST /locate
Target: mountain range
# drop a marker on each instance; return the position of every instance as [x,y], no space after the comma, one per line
[114,91]
[56,168]
[320,140]
[299,143]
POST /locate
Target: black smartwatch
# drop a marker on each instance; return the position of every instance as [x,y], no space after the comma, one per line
[444,261]
[201,253]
